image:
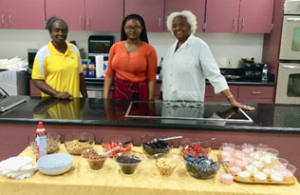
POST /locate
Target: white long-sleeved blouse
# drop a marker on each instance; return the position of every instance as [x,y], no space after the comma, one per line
[184,71]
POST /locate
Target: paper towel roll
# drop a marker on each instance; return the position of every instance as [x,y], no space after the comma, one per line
[99,66]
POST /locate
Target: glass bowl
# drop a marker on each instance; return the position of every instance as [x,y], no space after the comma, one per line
[195,147]
[95,159]
[112,141]
[152,145]
[53,142]
[76,143]
[128,161]
[166,163]
[201,167]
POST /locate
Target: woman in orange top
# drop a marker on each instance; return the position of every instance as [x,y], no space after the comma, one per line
[132,63]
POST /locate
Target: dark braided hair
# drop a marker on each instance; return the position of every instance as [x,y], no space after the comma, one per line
[50,21]
[137,17]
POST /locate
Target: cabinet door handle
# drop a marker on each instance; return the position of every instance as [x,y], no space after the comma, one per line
[243,22]
[80,21]
[293,19]
[9,19]
[159,22]
[3,19]
[88,21]
[290,66]
[234,23]
[256,92]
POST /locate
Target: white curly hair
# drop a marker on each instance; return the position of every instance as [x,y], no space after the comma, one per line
[190,18]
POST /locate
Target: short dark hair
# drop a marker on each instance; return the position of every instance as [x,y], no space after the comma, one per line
[50,21]
[139,18]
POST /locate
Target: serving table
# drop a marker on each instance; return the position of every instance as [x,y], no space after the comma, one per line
[146,180]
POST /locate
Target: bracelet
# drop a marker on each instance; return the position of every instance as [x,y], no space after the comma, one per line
[229,97]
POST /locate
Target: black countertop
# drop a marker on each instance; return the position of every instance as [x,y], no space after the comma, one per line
[98,112]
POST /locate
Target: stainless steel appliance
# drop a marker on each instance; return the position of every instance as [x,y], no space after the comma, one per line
[99,45]
[14,82]
[288,82]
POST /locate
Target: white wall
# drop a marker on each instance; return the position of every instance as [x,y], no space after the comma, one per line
[235,46]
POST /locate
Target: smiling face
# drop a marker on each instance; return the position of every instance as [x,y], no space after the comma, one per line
[59,32]
[133,29]
[181,28]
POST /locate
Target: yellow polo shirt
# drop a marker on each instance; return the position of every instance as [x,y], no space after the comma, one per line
[60,71]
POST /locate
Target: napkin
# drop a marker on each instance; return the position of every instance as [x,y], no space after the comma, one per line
[20,167]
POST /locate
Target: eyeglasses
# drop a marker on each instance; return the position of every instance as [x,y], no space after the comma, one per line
[133,27]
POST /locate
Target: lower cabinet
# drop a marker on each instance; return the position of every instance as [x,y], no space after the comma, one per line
[250,94]
[212,97]
[34,91]
[157,91]
[256,94]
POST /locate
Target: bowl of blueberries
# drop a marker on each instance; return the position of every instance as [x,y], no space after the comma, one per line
[201,167]
[153,144]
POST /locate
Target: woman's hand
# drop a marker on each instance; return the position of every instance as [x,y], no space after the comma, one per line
[63,95]
[236,104]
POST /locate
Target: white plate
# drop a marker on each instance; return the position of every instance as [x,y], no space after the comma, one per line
[55,164]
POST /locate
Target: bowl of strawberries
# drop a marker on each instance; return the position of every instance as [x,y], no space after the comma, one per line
[123,143]
[195,147]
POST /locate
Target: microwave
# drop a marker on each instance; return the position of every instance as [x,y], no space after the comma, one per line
[99,45]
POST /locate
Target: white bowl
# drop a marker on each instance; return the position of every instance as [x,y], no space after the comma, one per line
[55,164]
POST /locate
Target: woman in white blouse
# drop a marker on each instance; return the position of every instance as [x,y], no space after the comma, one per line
[188,62]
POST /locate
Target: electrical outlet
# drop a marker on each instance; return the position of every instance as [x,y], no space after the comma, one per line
[229,62]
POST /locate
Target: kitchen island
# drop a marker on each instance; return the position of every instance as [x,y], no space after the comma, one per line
[278,126]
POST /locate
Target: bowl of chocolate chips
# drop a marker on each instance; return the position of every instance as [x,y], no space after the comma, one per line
[128,161]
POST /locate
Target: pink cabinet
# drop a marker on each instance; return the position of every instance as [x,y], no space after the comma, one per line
[222,16]
[104,15]
[256,16]
[92,15]
[3,13]
[257,94]
[151,11]
[18,14]
[248,94]
[34,91]
[243,16]
[211,96]
[72,11]
[157,91]
[195,6]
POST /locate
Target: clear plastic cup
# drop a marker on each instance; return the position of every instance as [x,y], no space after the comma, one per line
[228,147]
[289,172]
[166,163]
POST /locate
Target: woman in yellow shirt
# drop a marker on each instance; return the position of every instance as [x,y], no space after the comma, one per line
[57,69]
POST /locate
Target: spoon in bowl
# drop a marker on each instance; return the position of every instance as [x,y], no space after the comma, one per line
[167,138]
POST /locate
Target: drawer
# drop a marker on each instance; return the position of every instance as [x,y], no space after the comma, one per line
[256,92]
[209,91]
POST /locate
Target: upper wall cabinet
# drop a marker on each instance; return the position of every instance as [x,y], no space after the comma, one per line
[18,14]
[103,15]
[256,16]
[94,15]
[195,6]
[73,15]
[222,16]
[243,16]
[151,11]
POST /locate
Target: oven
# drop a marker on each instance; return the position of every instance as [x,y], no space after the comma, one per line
[288,82]
[290,37]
